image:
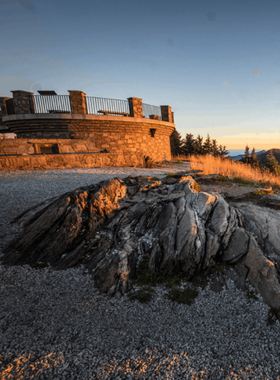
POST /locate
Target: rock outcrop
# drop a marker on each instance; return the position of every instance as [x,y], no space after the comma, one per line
[111,226]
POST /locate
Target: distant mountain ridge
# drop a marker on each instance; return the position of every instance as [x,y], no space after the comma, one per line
[262,156]
[240,156]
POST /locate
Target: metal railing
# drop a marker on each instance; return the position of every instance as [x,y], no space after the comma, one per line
[95,106]
[52,104]
[148,110]
[114,107]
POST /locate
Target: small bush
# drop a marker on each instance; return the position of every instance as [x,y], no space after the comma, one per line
[185,296]
[143,295]
[262,192]
[273,315]
[39,265]
[251,294]
[220,268]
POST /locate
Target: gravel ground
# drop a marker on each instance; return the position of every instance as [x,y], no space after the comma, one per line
[56,325]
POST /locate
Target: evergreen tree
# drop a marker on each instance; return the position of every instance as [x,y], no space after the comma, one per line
[273,164]
[223,152]
[214,148]
[254,158]
[176,143]
[188,146]
[207,146]
[198,145]
[246,158]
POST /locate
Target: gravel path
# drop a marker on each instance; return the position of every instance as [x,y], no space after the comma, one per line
[56,325]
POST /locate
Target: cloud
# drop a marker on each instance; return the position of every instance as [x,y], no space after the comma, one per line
[256,71]
[11,83]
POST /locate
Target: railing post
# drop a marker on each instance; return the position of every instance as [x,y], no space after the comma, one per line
[135,107]
[166,114]
[78,102]
[23,102]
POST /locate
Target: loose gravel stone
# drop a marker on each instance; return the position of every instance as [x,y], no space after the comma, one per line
[56,325]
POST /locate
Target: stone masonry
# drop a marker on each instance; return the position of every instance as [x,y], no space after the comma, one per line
[79,132]
[136,108]
[3,109]
[78,102]
[167,114]
[23,102]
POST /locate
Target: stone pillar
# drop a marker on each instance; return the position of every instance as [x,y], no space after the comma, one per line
[3,107]
[78,102]
[166,114]
[23,102]
[135,107]
[3,110]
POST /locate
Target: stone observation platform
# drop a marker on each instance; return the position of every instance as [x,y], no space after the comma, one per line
[58,131]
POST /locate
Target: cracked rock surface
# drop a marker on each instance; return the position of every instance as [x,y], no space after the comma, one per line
[109,227]
[55,324]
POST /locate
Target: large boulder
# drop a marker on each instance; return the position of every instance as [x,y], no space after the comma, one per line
[111,226]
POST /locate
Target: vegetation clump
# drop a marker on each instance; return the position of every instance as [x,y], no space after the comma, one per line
[273,315]
[185,296]
[143,295]
[170,278]
[195,146]
[262,192]
[251,294]
[39,265]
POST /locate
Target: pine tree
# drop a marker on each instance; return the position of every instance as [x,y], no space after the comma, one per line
[198,145]
[176,143]
[223,152]
[207,146]
[246,158]
[273,164]
[254,158]
[188,146]
[214,148]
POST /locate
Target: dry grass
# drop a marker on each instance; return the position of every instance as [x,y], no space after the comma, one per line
[210,164]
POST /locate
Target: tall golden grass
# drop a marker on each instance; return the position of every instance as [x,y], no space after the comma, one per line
[226,167]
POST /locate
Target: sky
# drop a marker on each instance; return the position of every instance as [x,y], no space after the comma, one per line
[216,63]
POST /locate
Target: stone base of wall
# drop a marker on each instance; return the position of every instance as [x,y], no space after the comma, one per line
[33,146]
[113,133]
[67,161]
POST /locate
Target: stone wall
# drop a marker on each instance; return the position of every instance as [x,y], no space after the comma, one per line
[114,133]
[33,146]
[67,161]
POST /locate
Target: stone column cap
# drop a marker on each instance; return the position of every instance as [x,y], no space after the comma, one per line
[133,97]
[165,106]
[26,92]
[76,91]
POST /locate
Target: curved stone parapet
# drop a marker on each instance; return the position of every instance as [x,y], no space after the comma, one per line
[114,133]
